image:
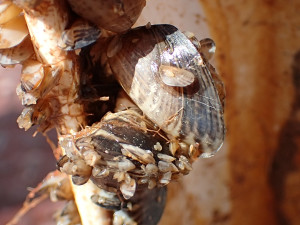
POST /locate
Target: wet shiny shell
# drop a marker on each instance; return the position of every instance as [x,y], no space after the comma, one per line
[190,111]
[112,15]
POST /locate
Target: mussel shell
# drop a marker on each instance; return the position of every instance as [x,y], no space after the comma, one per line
[144,208]
[192,113]
[79,35]
[148,205]
[113,15]
[16,54]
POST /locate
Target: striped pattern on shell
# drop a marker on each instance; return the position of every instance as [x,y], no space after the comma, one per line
[191,113]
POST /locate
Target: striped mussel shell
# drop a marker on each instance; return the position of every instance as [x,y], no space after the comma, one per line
[165,75]
[146,206]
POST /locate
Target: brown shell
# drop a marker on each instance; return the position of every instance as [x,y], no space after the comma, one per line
[113,15]
[192,113]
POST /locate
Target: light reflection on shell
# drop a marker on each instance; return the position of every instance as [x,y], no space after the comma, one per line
[185,106]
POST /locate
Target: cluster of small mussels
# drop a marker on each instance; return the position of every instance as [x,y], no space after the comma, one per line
[122,152]
[129,160]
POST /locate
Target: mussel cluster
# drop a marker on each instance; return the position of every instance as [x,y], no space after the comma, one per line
[133,107]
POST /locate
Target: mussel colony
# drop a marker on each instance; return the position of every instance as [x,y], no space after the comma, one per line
[133,108]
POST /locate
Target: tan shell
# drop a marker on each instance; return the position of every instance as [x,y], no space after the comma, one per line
[17,54]
[4,5]
[8,12]
[13,32]
[32,75]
